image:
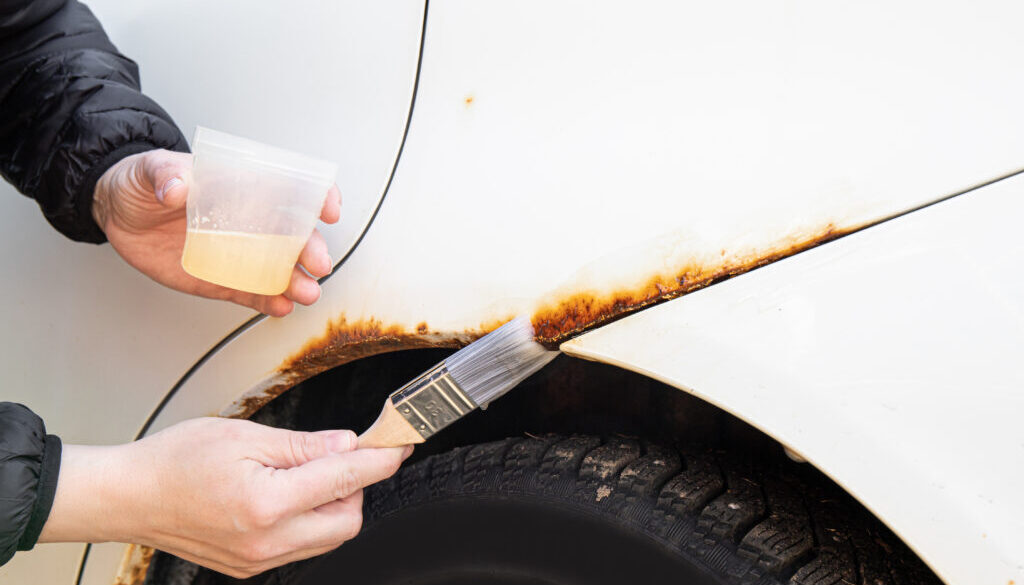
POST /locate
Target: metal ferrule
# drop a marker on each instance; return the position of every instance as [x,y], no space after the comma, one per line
[432,401]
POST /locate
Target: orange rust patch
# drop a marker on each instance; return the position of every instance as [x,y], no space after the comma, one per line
[344,342]
[579,312]
[134,565]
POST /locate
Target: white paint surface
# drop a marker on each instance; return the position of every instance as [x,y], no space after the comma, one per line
[603,146]
[890,359]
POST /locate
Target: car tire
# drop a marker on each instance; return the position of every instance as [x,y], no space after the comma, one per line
[585,510]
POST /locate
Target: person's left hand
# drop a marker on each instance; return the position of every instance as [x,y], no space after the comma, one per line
[139,203]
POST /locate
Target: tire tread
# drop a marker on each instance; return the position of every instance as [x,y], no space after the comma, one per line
[754,524]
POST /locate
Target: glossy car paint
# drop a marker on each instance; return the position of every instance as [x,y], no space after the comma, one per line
[889,359]
[591,161]
[555,152]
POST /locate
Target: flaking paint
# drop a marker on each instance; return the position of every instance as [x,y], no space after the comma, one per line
[576,313]
[345,341]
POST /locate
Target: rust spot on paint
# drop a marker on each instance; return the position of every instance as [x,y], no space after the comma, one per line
[346,341]
[134,565]
[578,312]
[566,316]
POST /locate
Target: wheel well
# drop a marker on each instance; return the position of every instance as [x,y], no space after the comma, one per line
[568,396]
[738,467]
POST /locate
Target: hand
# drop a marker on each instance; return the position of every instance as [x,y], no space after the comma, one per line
[231,495]
[139,203]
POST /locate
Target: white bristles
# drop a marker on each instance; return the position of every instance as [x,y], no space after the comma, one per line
[492,365]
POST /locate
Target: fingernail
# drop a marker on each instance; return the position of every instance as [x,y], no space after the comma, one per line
[341,441]
[170,184]
[407,452]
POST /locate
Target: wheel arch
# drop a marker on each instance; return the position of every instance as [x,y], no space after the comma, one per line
[571,397]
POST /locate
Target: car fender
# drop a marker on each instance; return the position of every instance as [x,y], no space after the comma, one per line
[890,359]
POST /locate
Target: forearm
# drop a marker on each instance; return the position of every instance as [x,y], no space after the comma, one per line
[94,498]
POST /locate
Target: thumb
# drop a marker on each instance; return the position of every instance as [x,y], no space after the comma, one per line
[282,449]
[169,174]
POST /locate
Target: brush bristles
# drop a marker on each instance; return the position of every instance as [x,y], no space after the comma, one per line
[491,366]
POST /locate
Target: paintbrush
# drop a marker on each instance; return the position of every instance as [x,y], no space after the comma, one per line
[470,378]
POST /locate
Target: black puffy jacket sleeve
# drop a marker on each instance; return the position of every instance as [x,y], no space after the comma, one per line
[70,107]
[29,464]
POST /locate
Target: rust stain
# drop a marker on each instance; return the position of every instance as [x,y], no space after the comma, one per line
[346,341]
[560,319]
[134,565]
[576,313]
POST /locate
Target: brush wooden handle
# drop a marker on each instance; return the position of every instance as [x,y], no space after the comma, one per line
[390,430]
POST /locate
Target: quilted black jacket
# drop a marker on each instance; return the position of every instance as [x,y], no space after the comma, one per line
[29,463]
[70,107]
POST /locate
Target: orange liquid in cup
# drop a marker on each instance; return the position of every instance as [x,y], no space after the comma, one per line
[256,263]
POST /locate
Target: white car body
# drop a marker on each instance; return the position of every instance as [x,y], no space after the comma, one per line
[576,163]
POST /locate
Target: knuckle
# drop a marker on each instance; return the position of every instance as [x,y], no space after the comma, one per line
[151,158]
[254,553]
[303,447]
[353,526]
[345,484]
[159,164]
[312,445]
[228,430]
[239,572]
[346,441]
[262,512]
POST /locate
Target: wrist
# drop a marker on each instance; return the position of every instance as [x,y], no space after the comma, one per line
[93,501]
[103,177]
[101,200]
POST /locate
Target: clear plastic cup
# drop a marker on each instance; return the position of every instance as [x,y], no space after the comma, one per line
[251,208]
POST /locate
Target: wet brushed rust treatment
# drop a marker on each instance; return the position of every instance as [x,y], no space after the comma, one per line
[345,341]
[572,315]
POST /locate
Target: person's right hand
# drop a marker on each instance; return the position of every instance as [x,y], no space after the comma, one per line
[231,495]
[139,203]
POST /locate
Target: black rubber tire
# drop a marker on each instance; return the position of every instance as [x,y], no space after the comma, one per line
[582,510]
